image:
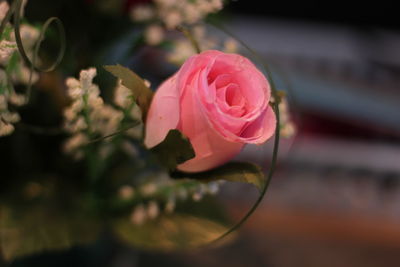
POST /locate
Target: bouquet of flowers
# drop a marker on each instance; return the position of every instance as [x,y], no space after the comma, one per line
[108,151]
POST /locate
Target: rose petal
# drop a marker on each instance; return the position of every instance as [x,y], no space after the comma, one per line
[163,114]
[254,87]
[222,152]
[193,123]
[193,65]
[261,129]
[211,149]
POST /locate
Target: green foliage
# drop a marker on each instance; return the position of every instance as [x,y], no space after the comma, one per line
[132,81]
[233,172]
[174,150]
[37,230]
[170,232]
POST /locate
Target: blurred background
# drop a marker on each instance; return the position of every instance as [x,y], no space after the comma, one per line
[335,197]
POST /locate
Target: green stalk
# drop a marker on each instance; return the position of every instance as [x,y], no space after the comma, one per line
[190,37]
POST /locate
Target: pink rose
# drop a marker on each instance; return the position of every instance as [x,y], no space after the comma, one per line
[219,101]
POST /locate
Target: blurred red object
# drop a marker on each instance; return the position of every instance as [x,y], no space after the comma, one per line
[127,5]
[131,3]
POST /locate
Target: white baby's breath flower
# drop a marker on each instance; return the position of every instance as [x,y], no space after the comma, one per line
[3,103]
[197,196]
[7,118]
[75,142]
[231,46]
[7,48]
[89,115]
[95,102]
[142,13]
[17,72]
[182,50]
[130,149]
[170,205]
[154,34]
[216,4]
[172,19]
[72,83]
[135,132]
[148,189]
[69,114]
[167,3]
[74,91]
[288,128]
[4,7]
[136,113]
[152,210]
[192,13]
[80,125]
[172,13]
[17,99]
[138,215]
[122,96]
[77,105]
[126,192]
[86,78]
[147,83]
[213,188]
[205,7]
[199,32]
[24,76]
[10,117]
[6,128]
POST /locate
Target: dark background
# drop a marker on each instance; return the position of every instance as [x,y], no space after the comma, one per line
[335,198]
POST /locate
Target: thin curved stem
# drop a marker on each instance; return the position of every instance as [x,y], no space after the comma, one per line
[114,134]
[276,139]
[15,10]
[190,37]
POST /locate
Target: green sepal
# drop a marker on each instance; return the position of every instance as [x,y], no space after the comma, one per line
[141,92]
[233,172]
[38,230]
[174,150]
[175,232]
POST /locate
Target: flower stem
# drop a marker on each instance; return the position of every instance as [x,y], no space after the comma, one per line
[191,38]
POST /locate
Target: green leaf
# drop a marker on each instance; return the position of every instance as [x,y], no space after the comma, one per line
[170,232]
[233,172]
[174,150]
[132,81]
[38,230]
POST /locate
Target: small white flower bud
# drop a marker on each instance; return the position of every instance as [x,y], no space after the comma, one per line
[138,215]
[126,192]
[154,35]
[6,128]
[152,210]
[170,205]
[197,196]
[213,188]
[4,7]
[148,189]
[142,13]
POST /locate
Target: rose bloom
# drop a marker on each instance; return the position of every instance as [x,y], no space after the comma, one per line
[219,101]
